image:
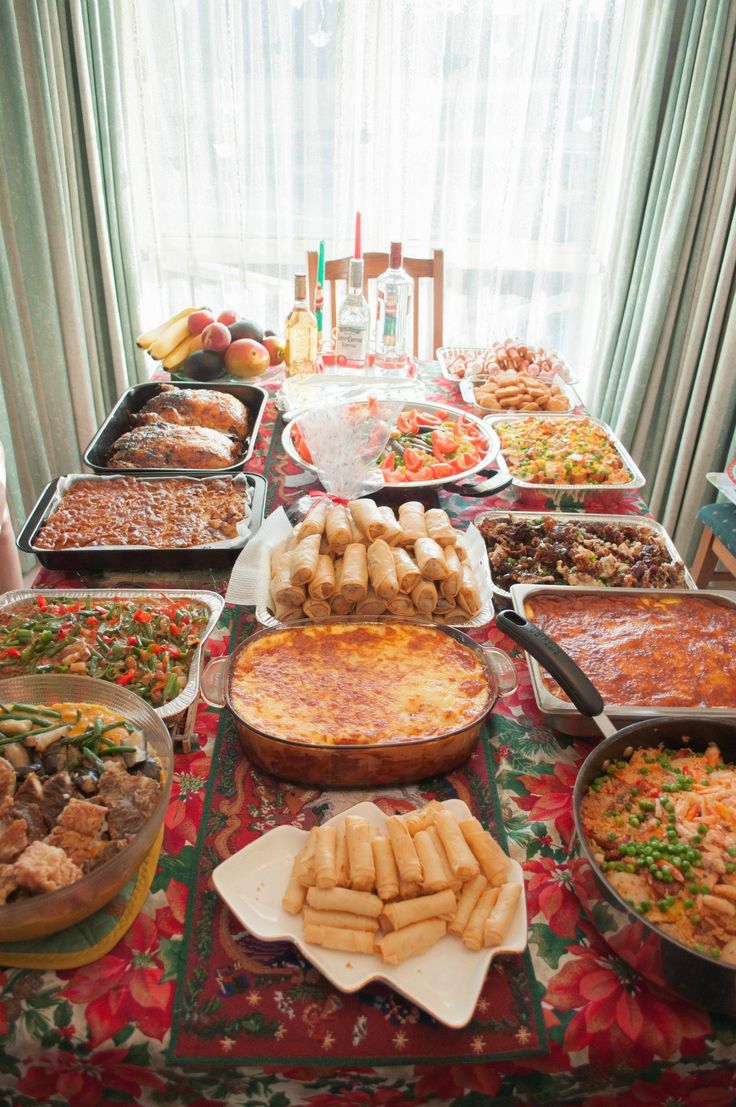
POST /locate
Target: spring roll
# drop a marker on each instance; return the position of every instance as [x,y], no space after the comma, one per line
[434,879]
[304,864]
[296,893]
[284,612]
[405,912]
[474,932]
[445,606]
[403,606]
[341,606]
[371,605]
[356,533]
[337,528]
[407,860]
[325,868]
[343,919]
[387,874]
[423,817]
[471,893]
[424,597]
[452,881]
[342,864]
[430,559]
[304,559]
[393,528]
[411,518]
[411,940]
[322,584]
[282,590]
[469,597]
[462,862]
[500,918]
[324,546]
[317,609]
[314,521]
[381,570]
[354,579]
[334,937]
[409,889]
[451,584]
[368,518]
[345,899]
[408,572]
[439,527]
[494,863]
[360,854]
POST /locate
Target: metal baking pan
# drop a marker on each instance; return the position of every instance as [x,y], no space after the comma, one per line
[138,557]
[502,598]
[211,600]
[562,715]
[577,491]
[118,422]
[577,407]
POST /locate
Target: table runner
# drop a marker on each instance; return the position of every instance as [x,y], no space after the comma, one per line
[99,1035]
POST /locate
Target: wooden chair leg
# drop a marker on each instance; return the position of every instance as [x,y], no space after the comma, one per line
[705,560]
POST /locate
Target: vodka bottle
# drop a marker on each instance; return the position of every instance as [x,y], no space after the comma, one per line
[300,333]
[393,300]
[353,322]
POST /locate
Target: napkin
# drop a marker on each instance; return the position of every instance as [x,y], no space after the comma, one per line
[246,579]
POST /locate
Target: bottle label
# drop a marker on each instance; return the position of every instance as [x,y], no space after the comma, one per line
[351,345]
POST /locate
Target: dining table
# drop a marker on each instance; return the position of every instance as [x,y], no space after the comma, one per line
[189,1008]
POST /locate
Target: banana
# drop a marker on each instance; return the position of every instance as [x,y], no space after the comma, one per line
[146,340]
[167,342]
[182,351]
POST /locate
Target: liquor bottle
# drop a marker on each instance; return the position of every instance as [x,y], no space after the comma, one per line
[353,322]
[393,299]
[301,333]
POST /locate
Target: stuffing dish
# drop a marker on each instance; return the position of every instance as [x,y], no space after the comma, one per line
[644,650]
[549,550]
[564,451]
[183,428]
[77,783]
[157,512]
[661,828]
[143,644]
[342,684]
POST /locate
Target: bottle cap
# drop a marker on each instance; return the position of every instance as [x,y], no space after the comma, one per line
[355,274]
[300,286]
[395,257]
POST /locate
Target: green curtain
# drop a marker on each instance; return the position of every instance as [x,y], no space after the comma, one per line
[667,345]
[67,308]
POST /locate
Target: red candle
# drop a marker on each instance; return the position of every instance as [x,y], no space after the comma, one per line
[358,243]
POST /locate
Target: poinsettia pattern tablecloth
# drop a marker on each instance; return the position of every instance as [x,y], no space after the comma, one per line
[99,1035]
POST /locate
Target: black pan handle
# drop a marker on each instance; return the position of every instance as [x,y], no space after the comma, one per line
[558,664]
[497,482]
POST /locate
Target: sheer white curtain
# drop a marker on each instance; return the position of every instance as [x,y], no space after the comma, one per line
[254,129]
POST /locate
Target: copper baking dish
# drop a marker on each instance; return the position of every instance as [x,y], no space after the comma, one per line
[359,765]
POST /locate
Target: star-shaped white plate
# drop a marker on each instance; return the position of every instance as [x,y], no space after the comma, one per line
[446,981]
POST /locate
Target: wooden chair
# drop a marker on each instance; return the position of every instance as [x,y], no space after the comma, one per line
[375,264]
[717,544]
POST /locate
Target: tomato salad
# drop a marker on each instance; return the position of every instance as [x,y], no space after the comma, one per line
[145,645]
[423,446]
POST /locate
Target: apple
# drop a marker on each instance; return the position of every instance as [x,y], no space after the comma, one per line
[227,317]
[276,348]
[246,358]
[216,337]
[198,320]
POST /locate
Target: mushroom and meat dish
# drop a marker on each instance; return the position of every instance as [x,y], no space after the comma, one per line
[661,828]
[550,551]
[77,783]
[143,644]
[165,512]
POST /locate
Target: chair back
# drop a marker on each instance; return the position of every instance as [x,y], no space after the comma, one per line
[336,269]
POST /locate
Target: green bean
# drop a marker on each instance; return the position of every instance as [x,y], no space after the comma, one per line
[110,750]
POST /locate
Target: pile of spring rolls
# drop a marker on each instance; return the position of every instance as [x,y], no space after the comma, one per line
[360,559]
[397,894]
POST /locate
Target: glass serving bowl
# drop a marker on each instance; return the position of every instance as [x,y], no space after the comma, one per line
[44,914]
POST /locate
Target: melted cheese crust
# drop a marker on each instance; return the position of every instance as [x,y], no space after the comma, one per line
[342,684]
[668,651]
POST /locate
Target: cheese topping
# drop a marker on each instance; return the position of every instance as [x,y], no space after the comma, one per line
[345,684]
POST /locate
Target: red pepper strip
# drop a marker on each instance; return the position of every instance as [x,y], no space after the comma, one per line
[126,678]
[132,640]
[142,616]
[172,651]
[92,621]
[10,652]
[65,630]
[175,629]
[42,602]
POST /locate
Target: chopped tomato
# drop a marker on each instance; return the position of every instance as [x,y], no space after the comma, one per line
[142,616]
[42,602]
[428,418]
[92,621]
[126,678]
[408,422]
[412,459]
[442,443]
[442,469]
[388,462]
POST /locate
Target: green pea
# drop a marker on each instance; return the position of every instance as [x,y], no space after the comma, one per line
[696,918]
[634,821]
[688,903]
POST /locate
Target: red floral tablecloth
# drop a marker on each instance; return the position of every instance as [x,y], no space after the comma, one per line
[101,1035]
